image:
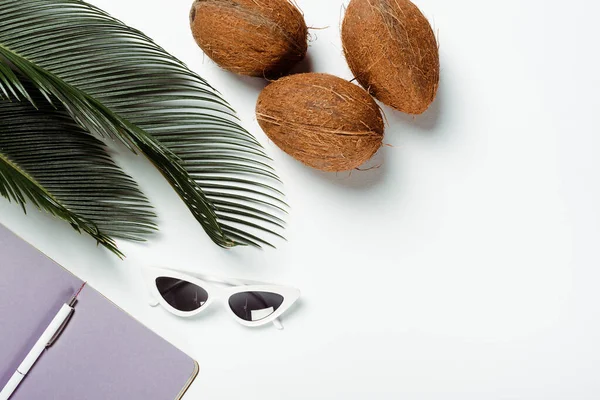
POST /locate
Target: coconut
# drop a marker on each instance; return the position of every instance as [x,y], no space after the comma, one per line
[392,51]
[321,120]
[250,37]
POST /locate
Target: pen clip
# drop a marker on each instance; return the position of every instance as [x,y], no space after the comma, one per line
[60,329]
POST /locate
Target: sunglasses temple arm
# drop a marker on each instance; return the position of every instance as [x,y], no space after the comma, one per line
[152,300]
[278,324]
[227,281]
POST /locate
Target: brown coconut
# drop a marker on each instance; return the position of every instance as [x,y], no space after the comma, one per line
[321,120]
[392,51]
[250,37]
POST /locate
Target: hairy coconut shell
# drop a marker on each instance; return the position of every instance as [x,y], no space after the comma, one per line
[321,120]
[250,37]
[392,51]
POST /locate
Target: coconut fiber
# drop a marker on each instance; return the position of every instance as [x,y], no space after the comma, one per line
[392,51]
[250,37]
[321,120]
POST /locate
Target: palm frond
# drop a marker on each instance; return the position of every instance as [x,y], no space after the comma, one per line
[49,161]
[117,82]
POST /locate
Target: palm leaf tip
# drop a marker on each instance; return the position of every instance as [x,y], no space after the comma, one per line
[50,162]
[115,81]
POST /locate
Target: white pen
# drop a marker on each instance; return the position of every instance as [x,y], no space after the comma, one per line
[45,341]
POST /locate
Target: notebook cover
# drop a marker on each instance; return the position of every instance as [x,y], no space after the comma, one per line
[103,354]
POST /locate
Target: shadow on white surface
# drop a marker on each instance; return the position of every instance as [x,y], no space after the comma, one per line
[369,175]
[429,122]
[252,82]
[306,65]
[258,84]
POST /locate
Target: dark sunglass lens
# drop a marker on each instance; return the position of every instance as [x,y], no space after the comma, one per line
[254,306]
[181,295]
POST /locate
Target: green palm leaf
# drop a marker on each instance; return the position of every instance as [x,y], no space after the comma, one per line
[116,82]
[50,162]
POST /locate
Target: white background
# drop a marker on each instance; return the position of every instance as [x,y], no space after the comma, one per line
[465,267]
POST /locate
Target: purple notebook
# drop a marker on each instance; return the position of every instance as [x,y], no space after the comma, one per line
[103,354]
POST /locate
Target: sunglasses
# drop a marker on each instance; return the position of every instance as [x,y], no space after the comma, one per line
[251,303]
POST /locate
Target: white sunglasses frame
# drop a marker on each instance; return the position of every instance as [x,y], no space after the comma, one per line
[290,294]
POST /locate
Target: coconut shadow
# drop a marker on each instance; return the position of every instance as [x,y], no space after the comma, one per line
[428,122]
[253,82]
[304,66]
[258,84]
[368,175]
